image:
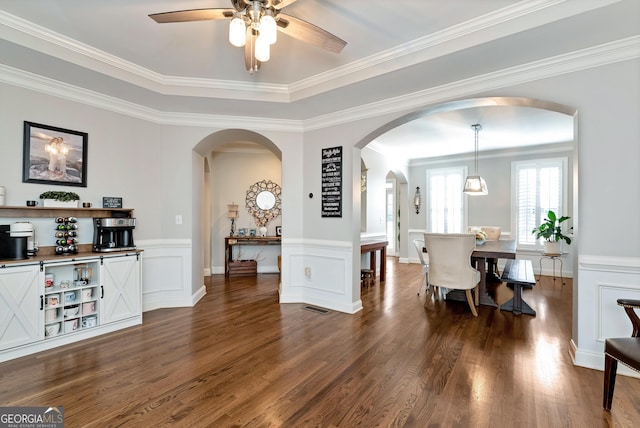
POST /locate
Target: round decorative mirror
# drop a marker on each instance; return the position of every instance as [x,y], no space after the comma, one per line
[263,201]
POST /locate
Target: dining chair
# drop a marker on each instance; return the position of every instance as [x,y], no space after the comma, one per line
[419,244]
[450,263]
[623,349]
[493,234]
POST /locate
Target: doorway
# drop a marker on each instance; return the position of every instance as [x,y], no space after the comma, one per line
[392,217]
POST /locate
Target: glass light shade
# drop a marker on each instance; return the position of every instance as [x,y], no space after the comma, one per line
[475,185]
[237,32]
[268,29]
[263,49]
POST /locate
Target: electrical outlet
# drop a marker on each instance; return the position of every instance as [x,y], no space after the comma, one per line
[307,272]
[178,219]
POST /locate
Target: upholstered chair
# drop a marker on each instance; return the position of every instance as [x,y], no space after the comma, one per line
[493,234]
[450,263]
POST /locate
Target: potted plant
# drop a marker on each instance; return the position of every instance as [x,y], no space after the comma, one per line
[551,231]
[60,199]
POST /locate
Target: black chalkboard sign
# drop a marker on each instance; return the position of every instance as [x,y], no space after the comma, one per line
[111,202]
[332,182]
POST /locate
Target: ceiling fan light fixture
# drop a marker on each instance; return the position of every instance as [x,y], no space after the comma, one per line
[268,27]
[263,49]
[237,32]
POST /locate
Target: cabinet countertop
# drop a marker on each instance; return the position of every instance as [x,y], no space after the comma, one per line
[65,257]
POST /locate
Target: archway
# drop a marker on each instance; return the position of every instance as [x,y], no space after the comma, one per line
[217,193]
[489,102]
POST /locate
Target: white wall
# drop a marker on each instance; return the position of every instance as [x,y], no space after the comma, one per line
[232,173]
[495,209]
[153,168]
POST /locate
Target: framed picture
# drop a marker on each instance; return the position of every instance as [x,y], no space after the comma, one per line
[242,231]
[54,155]
[253,232]
[278,230]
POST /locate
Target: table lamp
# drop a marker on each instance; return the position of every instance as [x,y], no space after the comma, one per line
[233,215]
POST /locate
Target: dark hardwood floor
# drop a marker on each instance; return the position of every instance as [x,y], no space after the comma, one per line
[239,358]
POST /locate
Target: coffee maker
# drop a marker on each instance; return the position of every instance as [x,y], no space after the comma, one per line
[25,229]
[113,234]
[12,247]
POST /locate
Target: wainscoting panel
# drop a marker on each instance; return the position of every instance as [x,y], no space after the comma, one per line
[319,273]
[166,273]
[602,280]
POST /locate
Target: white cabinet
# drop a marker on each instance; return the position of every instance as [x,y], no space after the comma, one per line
[59,301]
[20,306]
[122,293]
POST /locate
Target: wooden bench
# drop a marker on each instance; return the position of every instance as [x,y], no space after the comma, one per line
[518,273]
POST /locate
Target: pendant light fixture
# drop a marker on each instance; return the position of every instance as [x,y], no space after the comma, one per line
[474,184]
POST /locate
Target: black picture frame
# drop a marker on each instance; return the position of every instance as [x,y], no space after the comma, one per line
[278,230]
[53,155]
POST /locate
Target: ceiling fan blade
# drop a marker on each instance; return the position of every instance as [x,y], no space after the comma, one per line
[307,32]
[250,61]
[192,15]
[279,4]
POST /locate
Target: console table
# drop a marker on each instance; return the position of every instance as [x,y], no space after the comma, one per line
[231,241]
[371,246]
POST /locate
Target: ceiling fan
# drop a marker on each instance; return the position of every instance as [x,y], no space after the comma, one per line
[253,25]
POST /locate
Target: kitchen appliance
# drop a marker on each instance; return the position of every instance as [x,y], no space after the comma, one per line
[113,234]
[12,247]
[25,229]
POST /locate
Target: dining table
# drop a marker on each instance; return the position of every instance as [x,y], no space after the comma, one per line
[499,249]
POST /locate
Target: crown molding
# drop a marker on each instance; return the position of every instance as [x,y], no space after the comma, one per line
[45,85]
[608,53]
[544,149]
[617,51]
[528,14]
[41,39]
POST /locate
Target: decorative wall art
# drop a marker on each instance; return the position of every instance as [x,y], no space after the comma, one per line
[54,155]
[263,201]
[332,182]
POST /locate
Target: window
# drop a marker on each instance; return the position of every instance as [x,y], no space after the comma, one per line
[446,201]
[539,186]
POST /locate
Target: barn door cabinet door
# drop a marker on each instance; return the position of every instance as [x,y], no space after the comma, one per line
[21,306]
[121,288]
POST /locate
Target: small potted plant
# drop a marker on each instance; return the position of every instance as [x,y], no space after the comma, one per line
[60,199]
[551,231]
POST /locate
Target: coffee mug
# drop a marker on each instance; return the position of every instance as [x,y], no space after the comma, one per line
[50,315]
[69,297]
[53,300]
[52,330]
[89,322]
[32,203]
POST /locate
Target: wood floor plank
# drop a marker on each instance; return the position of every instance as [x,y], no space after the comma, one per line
[240,359]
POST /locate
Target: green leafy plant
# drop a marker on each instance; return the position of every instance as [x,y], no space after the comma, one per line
[60,196]
[551,229]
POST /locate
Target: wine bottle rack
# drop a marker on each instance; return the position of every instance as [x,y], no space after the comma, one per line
[66,234]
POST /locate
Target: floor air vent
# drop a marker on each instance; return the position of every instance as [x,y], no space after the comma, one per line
[316,309]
